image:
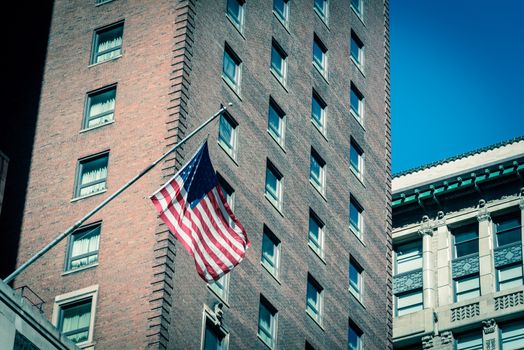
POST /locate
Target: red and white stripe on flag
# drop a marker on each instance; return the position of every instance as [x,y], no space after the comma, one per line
[208,230]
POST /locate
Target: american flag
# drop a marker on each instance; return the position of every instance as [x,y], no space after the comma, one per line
[195,209]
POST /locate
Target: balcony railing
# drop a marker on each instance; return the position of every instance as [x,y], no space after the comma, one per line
[465,265]
[407,281]
[33,298]
[508,254]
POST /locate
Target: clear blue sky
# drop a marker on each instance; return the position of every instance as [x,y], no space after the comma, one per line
[457,75]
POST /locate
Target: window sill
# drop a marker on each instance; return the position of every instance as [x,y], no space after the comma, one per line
[319,323]
[358,175]
[323,18]
[358,118]
[281,80]
[96,127]
[80,269]
[237,27]
[232,87]
[357,298]
[320,130]
[222,299]
[358,14]
[88,345]
[270,273]
[319,191]
[284,23]
[109,60]
[358,65]
[323,73]
[76,199]
[276,206]
[277,141]
[264,342]
[103,3]
[228,152]
[320,255]
[357,234]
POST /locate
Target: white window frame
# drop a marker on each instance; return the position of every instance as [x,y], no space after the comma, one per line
[458,297]
[273,322]
[323,66]
[282,76]
[285,19]
[359,172]
[323,113]
[232,149]
[513,327]
[417,257]
[240,24]
[320,186]
[359,230]
[280,139]
[323,14]
[234,85]
[209,315]
[517,265]
[360,60]
[477,336]
[317,317]
[358,12]
[359,113]
[411,292]
[86,293]
[358,332]
[275,269]
[276,202]
[319,250]
[357,291]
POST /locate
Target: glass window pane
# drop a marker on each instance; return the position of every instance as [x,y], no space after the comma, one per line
[75,320]
[100,108]
[275,123]
[320,6]
[314,232]
[354,102]
[109,43]
[354,158]
[354,216]
[469,342]
[317,112]
[357,5]
[467,248]
[314,170]
[271,184]
[277,62]
[234,10]
[355,50]
[213,338]
[230,68]
[318,55]
[353,339]
[408,257]
[509,236]
[225,133]
[512,336]
[279,6]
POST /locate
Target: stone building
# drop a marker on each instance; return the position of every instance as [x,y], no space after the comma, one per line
[457,242]
[303,154]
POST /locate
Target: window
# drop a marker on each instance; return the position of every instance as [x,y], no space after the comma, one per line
[235,12]
[278,62]
[276,122]
[356,159]
[100,107]
[320,56]
[74,315]
[314,296]
[357,50]
[354,337]
[227,190]
[107,43]
[357,6]
[512,335]
[231,70]
[467,288]
[82,250]
[356,217]
[356,103]
[471,341]
[227,134]
[355,279]
[321,8]
[316,234]
[215,338]
[274,185]
[318,112]
[281,10]
[466,240]
[317,172]
[507,228]
[408,257]
[91,175]
[221,287]
[509,276]
[406,303]
[270,252]
[267,322]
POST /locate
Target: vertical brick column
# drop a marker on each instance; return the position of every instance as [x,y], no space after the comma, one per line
[490,335]
[521,206]
[487,272]
[444,285]
[428,264]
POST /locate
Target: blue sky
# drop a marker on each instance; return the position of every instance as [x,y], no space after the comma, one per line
[457,71]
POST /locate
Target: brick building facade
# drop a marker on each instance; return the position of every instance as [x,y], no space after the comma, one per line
[304,154]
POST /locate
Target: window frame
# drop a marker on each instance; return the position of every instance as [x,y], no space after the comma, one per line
[208,316]
[458,296]
[319,290]
[322,68]
[88,104]
[357,291]
[319,185]
[462,230]
[235,84]
[359,114]
[272,267]
[279,112]
[468,337]
[321,126]
[359,171]
[231,150]
[284,17]
[418,291]
[359,61]
[322,13]
[497,219]
[511,326]
[79,171]
[357,331]
[273,324]
[418,244]
[239,25]
[96,38]
[318,249]
[71,298]
[276,200]
[83,230]
[277,48]
[359,230]
[505,268]
[359,11]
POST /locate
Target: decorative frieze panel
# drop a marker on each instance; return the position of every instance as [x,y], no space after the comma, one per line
[509,300]
[407,281]
[465,312]
[466,265]
[508,254]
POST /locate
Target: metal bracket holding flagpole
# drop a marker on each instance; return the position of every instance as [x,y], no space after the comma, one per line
[109,199]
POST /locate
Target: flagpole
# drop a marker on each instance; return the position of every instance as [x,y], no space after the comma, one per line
[109,199]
